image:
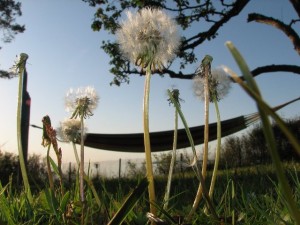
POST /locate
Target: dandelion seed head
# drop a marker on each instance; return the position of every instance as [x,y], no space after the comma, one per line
[81,102]
[148,36]
[70,130]
[219,85]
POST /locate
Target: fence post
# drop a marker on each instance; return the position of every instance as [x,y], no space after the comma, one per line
[70,173]
[119,168]
[181,164]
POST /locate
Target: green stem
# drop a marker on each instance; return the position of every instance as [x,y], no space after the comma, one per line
[81,172]
[87,179]
[218,149]
[22,70]
[206,122]
[50,177]
[149,168]
[206,139]
[172,164]
[76,154]
[199,175]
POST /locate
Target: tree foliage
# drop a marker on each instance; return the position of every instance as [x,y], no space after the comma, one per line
[9,11]
[214,14]
[251,147]
[10,169]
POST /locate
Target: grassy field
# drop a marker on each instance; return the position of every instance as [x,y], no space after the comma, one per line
[248,195]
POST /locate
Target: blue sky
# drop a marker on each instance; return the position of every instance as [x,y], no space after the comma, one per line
[65,53]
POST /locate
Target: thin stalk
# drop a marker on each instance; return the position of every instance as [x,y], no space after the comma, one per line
[208,202]
[188,132]
[206,123]
[218,149]
[87,179]
[172,164]
[149,168]
[76,154]
[81,171]
[50,177]
[22,70]
[206,139]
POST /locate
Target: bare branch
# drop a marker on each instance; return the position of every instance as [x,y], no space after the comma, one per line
[290,32]
[257,71]
[201,37]
[296,5]
[276,68]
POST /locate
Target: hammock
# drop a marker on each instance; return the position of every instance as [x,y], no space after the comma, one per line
[163,140]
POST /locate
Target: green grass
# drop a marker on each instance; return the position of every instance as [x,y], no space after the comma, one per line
[248,195]
[255,190]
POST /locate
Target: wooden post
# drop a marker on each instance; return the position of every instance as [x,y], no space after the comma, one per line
[119,168]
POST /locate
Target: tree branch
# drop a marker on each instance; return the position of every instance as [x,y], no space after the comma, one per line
[201,37]
[276,68]
[257,71]
[296,5]
[6,74]
[290,32]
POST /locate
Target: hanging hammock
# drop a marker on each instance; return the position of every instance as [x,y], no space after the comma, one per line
[163,140]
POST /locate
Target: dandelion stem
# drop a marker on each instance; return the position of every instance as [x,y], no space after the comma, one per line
[149,168]
[76,154]
[81,173]
[50,177]
[173,160]
[206,119]
[87,179]
[206,137]
[218,148]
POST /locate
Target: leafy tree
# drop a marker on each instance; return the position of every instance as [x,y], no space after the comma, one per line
[9,168]
[9,11]
[163,160]
[133,171]
[187,13]
[233,152]
[251,148]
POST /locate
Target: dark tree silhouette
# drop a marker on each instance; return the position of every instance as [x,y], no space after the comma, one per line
[187,13]
[251,148]
[9,11]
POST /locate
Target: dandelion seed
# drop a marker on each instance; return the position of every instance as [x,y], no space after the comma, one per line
[81,102]
[148,37]
[219,85]
[70,130]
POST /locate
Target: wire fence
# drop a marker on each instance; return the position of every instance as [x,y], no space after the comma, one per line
[126,167]
[111,168]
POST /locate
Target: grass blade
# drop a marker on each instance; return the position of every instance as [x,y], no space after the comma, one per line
[268,132]
[4,206]
[129,203]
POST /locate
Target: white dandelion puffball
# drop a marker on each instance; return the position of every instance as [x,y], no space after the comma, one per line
[219,84]
[70,130]
[148,36]
[83,100]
